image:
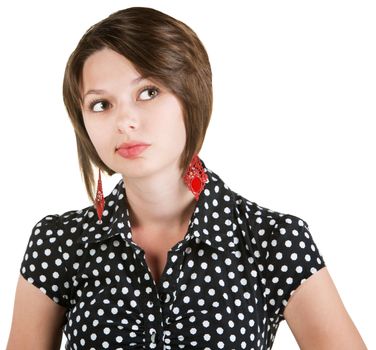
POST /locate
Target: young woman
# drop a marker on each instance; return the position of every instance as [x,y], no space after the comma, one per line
[172,258]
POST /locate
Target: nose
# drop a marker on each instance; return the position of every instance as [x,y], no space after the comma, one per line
[126,117]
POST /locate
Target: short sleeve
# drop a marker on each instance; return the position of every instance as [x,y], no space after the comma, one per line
[292,257]
[43,260]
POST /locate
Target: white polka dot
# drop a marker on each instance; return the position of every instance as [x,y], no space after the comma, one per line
[224,285]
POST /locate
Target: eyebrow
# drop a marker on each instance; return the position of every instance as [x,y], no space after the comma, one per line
[101,91]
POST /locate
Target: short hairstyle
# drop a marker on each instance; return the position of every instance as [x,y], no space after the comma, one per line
[160,47]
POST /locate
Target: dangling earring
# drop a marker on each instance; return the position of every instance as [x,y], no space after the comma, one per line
[99,198]
[195,177]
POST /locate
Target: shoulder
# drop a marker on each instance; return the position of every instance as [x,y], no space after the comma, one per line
[67,225]
[265,222]
[282,249]
[274,234]
[56,237]
[260,226]
[51,255]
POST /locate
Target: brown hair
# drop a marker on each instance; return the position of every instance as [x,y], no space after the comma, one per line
[160,47]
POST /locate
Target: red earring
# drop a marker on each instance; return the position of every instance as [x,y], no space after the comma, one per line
[99,198]
[195,177]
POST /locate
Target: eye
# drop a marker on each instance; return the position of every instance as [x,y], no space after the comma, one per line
[93,105]
[147,89]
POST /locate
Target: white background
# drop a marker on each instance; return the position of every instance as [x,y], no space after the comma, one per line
[292,127]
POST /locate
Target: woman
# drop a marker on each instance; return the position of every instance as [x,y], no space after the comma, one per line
[172,258]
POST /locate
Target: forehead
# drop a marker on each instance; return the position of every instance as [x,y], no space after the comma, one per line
[107,65]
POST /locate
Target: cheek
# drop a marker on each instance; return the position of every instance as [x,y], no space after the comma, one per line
[170,132]
[96,134]
[168,119]
[90,129]
[167,129]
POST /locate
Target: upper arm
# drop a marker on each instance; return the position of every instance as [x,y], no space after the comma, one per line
[43,290]
[37,320]
[318,318]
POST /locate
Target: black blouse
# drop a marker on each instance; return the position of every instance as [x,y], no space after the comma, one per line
[225,284]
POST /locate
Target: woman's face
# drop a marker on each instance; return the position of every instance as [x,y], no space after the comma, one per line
[127,110]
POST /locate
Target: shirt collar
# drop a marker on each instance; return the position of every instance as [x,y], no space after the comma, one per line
[212,221]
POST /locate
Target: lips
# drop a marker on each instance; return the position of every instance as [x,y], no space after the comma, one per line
[132,151]
[132,144]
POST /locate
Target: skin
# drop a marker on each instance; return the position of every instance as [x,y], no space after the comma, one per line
[37,321]
[158,198]
[160,202]
[318,318]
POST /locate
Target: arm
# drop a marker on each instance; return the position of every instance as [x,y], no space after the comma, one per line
[317,317]
[37,321]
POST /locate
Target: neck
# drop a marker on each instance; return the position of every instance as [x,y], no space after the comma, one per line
[161,203]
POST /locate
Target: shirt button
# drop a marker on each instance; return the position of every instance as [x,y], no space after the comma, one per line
[153,337]
[165,297]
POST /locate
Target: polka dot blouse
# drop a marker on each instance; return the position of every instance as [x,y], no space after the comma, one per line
[225,284]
